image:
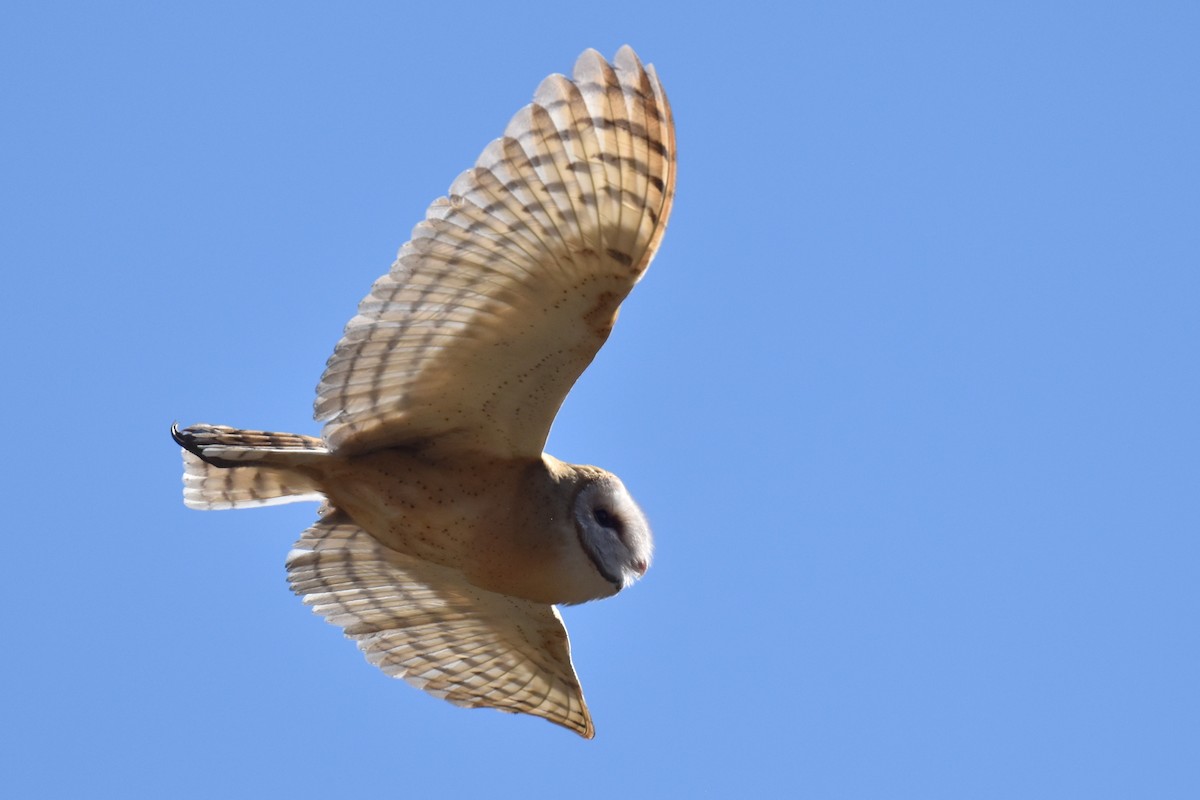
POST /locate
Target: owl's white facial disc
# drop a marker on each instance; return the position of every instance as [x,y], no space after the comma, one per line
[613,531]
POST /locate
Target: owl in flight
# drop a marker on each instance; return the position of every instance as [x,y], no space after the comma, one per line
[446,536]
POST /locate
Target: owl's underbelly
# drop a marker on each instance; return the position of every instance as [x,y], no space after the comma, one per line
[484,519]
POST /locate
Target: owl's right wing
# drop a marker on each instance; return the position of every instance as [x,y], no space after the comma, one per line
[511,284]
[424,623]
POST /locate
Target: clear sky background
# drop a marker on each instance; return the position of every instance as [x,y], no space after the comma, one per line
[910,395]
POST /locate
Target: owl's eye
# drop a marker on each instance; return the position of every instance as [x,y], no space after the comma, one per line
[606,520]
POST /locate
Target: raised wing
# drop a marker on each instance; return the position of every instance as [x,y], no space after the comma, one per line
[427,625]
[511,284]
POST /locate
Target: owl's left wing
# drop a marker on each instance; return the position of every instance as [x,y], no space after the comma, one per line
[511,284]
[426,624]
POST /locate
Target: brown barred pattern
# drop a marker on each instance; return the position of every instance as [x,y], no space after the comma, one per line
[511,283]
[427,625]
[440,395]
[224,467]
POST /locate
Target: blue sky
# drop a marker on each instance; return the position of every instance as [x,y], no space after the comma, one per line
[910,396]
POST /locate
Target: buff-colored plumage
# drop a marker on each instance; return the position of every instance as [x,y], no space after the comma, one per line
[447,535]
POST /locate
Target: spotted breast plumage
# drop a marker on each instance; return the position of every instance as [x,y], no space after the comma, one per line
[446,537]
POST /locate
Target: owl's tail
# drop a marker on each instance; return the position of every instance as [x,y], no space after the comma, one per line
[225,467]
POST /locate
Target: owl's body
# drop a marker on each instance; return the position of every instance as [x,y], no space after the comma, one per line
[446,535]
[505,523]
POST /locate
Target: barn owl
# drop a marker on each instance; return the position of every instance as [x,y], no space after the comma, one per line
[446,537]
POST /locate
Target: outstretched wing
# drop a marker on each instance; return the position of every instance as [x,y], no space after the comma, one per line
[426,624]
[511,284]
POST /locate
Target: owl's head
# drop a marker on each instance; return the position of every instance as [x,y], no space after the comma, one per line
[612,529]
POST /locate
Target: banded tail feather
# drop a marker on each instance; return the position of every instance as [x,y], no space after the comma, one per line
[225,467]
